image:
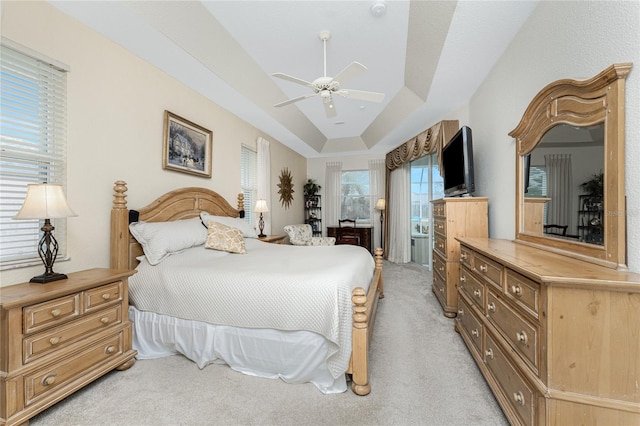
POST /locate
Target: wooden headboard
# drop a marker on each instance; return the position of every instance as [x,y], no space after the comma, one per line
[183,203]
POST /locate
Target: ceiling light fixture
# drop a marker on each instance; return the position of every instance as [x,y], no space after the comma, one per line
[378,8]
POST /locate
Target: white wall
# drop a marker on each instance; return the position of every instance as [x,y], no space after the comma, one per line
[561,39]
[116,103]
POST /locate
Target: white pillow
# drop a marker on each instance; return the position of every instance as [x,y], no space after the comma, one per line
[234,222]
[160,239]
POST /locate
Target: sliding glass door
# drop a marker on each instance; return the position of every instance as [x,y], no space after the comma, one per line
[426,185]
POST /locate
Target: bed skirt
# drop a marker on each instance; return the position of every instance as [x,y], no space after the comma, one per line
[293,356]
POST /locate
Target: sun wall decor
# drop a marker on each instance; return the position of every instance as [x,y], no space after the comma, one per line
[286,188]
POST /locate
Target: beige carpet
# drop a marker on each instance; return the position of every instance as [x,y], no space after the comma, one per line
[421,374]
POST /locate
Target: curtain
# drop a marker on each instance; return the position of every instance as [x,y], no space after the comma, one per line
[399,243]
[377,172]
[333,176]
[559,184]
[264,180]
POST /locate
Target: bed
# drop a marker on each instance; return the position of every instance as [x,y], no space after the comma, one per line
[303,314]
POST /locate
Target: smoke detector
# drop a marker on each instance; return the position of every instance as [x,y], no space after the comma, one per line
[378,8]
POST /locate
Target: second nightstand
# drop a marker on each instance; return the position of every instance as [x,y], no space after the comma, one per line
[275,239]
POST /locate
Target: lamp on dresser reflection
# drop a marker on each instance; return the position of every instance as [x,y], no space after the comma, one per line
[380,206]
[44,202]
[261,207]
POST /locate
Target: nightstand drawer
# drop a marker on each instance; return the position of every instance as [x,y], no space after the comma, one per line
[39,383]
[50,313]
[98,297]
[41,344]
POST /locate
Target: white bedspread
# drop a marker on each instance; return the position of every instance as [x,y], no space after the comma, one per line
[273,286]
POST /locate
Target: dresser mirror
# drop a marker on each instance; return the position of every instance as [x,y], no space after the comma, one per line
[570,169]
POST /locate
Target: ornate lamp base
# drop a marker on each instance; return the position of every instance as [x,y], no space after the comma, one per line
[47,278]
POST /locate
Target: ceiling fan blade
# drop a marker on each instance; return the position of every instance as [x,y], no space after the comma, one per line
[361,95]
[292,79]
[330,108]
[352,70]
[299,98]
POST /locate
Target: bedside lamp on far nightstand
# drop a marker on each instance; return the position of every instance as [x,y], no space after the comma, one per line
[261,207]
[46,201]
[380,206]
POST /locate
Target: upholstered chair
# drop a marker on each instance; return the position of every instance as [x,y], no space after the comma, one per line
[301,235]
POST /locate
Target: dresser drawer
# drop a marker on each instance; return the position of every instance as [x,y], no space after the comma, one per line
[101,296]
[41,382]
[520,334]
[466,257]
[438,209]
[518,393]
[471,287]
[488,269]
[440,244]
[523,292]
[50,313]
[41,344]
[440,225]
[439,264]
[439,288]
[470,324]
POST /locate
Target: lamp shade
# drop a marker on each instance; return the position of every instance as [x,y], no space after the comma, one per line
[261,206]
[380,205]
[44,201]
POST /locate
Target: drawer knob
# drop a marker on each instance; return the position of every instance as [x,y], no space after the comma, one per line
[476,293]
[55,313]
[463,279]
[54,340]
[440,246]
[489,353]
[461,312]
[441,289]
[516,290]
[475,332]
[110,349]
[522,337]
[491,307]
[518,397]
[106,296]
[483,268]
[463,256]
[49,380]
[104,320]
[441,269]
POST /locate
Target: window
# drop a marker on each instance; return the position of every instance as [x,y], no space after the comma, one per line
[249,181]
[33,108]
[355,201]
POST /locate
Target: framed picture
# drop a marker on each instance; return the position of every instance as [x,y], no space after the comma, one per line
[187,146]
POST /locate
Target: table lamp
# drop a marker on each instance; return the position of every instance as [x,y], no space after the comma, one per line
[380,205]
[261,207]
[45,201]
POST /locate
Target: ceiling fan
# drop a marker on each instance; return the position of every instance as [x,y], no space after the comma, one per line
[328,86]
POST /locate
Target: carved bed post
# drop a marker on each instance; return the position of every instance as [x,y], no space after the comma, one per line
[379,254]
[119,256]
[360,345]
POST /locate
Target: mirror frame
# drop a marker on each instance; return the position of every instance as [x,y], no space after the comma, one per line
[580,103]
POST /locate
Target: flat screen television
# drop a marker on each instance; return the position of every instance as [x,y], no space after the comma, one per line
[457,164]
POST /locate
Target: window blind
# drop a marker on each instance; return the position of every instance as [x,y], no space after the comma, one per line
[249,181]
[33,109]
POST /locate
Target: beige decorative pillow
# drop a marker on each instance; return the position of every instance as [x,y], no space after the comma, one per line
[225,238]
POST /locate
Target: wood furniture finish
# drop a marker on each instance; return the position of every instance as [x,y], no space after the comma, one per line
[557,338]
[186,203]
[56,338]
[275,239]
[580,103]
[346,233]
[363,233]
[454,217]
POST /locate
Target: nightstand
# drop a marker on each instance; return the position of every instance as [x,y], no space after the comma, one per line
[275,239]
[57,337]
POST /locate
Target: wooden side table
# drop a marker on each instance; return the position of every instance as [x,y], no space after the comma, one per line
[275,239]
[57,337]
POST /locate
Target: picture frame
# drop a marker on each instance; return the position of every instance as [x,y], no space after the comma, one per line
[187,147]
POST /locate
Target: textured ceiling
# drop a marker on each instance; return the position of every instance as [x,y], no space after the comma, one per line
[427,57]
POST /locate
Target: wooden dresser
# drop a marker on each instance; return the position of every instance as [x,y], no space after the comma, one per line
[364,232]
[557,339]
[55,338]
[454,217]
